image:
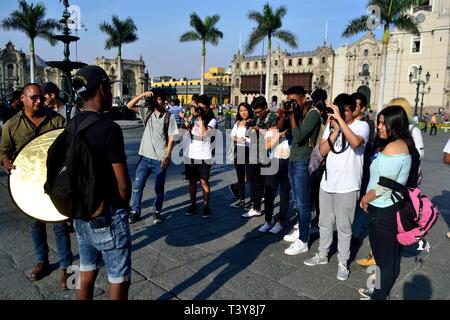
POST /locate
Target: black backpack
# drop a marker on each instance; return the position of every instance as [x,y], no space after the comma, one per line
[75,180]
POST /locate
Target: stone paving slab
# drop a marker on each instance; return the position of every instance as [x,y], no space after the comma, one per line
[225,257]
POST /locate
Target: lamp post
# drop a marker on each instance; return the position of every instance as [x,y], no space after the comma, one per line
[423,92]
[187,85]
[418,82]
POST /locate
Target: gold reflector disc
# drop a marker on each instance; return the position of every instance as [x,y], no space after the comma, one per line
[26,182]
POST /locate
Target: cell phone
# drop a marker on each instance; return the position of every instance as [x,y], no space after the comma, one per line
[100,222]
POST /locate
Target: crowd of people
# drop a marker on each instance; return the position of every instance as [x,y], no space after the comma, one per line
[327,156]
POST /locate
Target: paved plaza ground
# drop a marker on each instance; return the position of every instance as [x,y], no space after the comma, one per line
[225,257]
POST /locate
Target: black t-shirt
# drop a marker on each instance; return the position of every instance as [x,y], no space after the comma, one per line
[106,139]
[8,112]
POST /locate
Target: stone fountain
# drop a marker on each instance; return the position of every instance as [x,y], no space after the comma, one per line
[66,66]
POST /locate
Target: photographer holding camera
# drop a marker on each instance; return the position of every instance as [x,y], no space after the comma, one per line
[198,152]
[345,137]
[258,128]
[305,126]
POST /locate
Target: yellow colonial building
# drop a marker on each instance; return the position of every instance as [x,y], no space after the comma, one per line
[217,86]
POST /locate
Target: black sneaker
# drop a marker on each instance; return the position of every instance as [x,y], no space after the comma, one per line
[191,210]
[239,204]
[248,205]
[157,217]
[206,213]
[134,217]
[233,190]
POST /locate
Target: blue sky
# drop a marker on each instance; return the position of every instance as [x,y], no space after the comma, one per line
[160,23]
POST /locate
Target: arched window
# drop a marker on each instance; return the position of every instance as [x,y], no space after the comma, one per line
[275,79]
[365,70]
[237,83]
[322,80]
[414,70]
[10,71]
[324,59]
[276,62]
[238,65]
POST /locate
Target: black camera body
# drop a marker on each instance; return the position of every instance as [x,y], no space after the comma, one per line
[341,110]
[251,123]
[287,105]
[198,109]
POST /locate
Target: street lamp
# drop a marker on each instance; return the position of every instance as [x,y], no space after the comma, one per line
[419,82]
[423,92]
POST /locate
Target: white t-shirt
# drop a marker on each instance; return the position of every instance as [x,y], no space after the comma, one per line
[200,146]
[239,132]
[418,140]
[447,147]
[344,170]
[282,149]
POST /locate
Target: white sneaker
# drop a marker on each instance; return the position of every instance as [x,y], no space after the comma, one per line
[342,272]
[251,213]
[316,260]
[292,236]
[265,227]
[276,228]
[297,247]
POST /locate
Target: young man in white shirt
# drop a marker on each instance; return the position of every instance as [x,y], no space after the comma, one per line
[340,185]
[198,152]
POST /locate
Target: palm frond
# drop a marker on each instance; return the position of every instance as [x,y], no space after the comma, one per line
[286,36]
[356,26]
[197,24]
[407,22]
[254,39]
[190,36]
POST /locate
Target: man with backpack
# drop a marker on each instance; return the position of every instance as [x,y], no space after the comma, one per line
[160,129]
[343,143]
[27,124]
[101,215]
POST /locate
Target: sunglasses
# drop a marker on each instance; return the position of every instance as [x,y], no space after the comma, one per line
[35,97]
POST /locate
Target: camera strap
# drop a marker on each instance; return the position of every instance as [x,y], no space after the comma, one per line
[331,144]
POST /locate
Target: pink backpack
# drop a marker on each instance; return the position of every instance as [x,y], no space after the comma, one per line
[417,214]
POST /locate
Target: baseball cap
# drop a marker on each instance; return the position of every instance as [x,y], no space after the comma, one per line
[88,78]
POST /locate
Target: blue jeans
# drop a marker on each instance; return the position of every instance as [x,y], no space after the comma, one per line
[145,167]
[301,188]
[62,236]
[107,236]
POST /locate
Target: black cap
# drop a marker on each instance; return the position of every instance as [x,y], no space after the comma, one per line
[88,78]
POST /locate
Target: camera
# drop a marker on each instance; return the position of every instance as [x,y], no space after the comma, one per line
[287,105]
[341,110]
[197,110]
[251,123]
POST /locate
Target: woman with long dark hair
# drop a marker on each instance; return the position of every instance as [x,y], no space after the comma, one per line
[392,161]
[241,150]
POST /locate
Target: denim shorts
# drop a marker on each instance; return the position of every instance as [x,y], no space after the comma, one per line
[109,237]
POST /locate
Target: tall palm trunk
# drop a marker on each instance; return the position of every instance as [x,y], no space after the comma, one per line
[119,64]
[32,60]
[202,76]
[383,68]
[269,61]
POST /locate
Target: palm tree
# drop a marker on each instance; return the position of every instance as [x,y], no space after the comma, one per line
[119,33]
[205,31]
[269,24]
[30,19]
[393,13]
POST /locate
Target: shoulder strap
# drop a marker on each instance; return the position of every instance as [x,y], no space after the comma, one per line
[147,116]
[166,125]
[392,184]
[68,111]
[89,121]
